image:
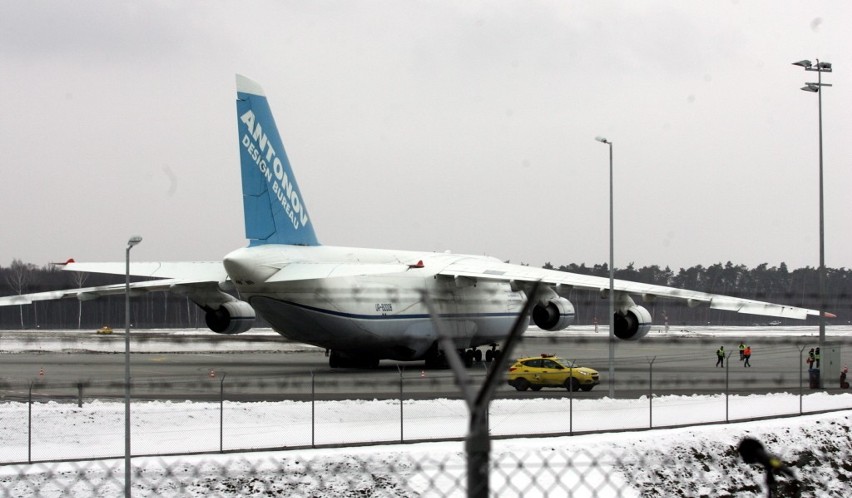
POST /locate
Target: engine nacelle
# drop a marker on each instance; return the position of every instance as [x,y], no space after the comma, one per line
[233,317]
[557,314]
[632,324]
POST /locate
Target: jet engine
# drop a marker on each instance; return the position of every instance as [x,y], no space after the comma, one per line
[632,324]
[233,317]
[556,314]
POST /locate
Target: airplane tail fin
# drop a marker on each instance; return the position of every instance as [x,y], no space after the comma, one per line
[274,210]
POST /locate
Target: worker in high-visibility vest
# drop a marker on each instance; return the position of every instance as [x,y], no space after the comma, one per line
[720,356]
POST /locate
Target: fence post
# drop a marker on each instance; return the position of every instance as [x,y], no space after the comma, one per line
[313,410]
[30,425]
[651,393]
[801,387]
[79,395]
[401,418]
[727,371]
[221,412]
[571,398]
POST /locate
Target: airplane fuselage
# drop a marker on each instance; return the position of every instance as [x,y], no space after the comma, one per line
[370,302]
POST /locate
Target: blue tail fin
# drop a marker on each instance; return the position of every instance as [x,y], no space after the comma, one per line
[274,210]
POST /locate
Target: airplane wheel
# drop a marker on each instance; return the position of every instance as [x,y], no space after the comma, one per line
[489,355]
[477,355]
[468,358]
[334,360]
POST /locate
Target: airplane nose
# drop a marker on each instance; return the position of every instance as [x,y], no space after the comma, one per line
[245,267]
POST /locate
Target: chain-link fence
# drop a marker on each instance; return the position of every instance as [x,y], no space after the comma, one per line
[686,463]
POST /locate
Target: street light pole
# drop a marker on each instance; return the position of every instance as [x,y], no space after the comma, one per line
[611,278]
[819,67]
[130,243]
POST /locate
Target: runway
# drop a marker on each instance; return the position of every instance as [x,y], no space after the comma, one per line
[262,367]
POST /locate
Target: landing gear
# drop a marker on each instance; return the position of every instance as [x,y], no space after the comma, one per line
[337,359]
[475,355]
[492,354]
[437,359]
[468,357]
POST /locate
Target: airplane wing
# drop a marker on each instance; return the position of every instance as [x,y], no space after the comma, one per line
[475,268]
[201,281]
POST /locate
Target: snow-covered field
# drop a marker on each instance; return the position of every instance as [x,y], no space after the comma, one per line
[694,461]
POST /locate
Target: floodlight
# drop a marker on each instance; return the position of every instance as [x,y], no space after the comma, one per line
[811,88]
[805,63]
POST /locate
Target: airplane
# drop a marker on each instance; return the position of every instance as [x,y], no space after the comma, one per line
[365,305]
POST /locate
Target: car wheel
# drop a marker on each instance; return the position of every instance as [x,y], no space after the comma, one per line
[536,388]
[572,384]
[586,388]
[522,384]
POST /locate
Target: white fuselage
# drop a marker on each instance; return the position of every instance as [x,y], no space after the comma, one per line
[368,301]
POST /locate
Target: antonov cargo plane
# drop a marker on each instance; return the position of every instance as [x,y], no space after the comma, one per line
[364,305]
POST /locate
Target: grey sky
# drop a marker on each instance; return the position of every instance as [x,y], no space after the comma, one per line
[440,125]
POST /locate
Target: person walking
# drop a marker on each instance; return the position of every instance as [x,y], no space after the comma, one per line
[811,359]
[816,358]
[843,383]
[747,356]
[720,356]
[742,350]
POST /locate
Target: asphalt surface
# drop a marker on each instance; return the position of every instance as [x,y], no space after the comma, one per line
[655,365]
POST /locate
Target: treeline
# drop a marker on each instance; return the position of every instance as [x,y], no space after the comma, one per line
[776,284]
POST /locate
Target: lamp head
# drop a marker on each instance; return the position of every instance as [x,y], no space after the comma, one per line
[811,87]
[602,139]
[805,63]
[134,240]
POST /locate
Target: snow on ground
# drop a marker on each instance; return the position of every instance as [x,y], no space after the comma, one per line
[692,461]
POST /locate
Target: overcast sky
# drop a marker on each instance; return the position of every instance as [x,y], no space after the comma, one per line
[439,125]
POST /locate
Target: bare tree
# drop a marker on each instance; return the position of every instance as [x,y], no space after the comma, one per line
[79,278]
[18,279]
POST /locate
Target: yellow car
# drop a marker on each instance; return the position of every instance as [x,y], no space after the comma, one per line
[550,371]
